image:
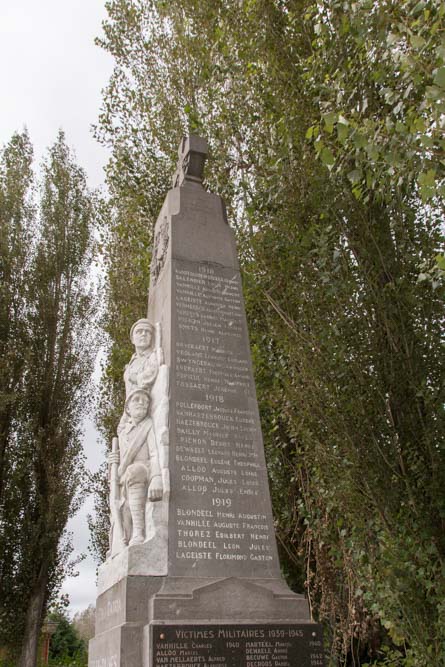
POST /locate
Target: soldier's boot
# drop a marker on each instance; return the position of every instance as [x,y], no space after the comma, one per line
[137,495]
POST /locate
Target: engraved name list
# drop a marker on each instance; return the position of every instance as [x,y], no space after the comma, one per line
[218,455]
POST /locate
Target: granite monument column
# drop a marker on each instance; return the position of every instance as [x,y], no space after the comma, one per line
[203,585]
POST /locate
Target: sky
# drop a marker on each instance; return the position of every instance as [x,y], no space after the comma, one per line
[51,77]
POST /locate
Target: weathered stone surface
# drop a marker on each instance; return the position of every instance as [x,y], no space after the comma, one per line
[221,564]
[228,599]
[122,615]
[119,647]
[192,153]
[125,602]
[147,559]
[220,521]
[139,476]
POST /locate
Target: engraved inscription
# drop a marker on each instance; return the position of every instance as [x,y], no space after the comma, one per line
[278,645]
[218,453]
[109,609]
[109,661]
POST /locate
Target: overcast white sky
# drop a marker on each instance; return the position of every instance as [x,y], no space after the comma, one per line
[51,76]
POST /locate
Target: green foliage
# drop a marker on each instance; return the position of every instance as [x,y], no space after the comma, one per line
[66,646]
[325,180]
[16,212]
[377,71]
[46,321]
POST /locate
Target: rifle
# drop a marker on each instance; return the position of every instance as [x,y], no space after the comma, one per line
[158,344]
[118,540]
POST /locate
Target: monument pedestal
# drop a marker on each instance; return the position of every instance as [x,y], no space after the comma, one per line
[133,614]
[146,559]
[121,619]
[212,593]
[227,600]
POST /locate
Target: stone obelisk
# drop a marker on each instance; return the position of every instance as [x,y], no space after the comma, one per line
[199,583]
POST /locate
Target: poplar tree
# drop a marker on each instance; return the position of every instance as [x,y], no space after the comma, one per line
[324,123]
[46,475]
[16,216]
[16,235]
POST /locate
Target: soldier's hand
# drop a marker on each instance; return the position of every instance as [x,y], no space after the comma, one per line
[155,490]
[113,458]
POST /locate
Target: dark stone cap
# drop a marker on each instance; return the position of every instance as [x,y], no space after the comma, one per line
[192,154]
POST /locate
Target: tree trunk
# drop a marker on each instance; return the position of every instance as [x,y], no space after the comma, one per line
[28,657]
[5,421]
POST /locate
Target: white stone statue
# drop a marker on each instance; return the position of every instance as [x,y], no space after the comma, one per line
[139,473]
[141,371]
[139,458]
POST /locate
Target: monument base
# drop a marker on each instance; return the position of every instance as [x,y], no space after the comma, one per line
[148,621]
[121,617]
[147,559]
[227,600]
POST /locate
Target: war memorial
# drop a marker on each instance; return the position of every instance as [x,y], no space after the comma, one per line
[192,577]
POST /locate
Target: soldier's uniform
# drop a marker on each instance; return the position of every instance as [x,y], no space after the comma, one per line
[141,372]
[138,474]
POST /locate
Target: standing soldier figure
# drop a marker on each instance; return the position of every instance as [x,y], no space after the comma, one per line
[141,371]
